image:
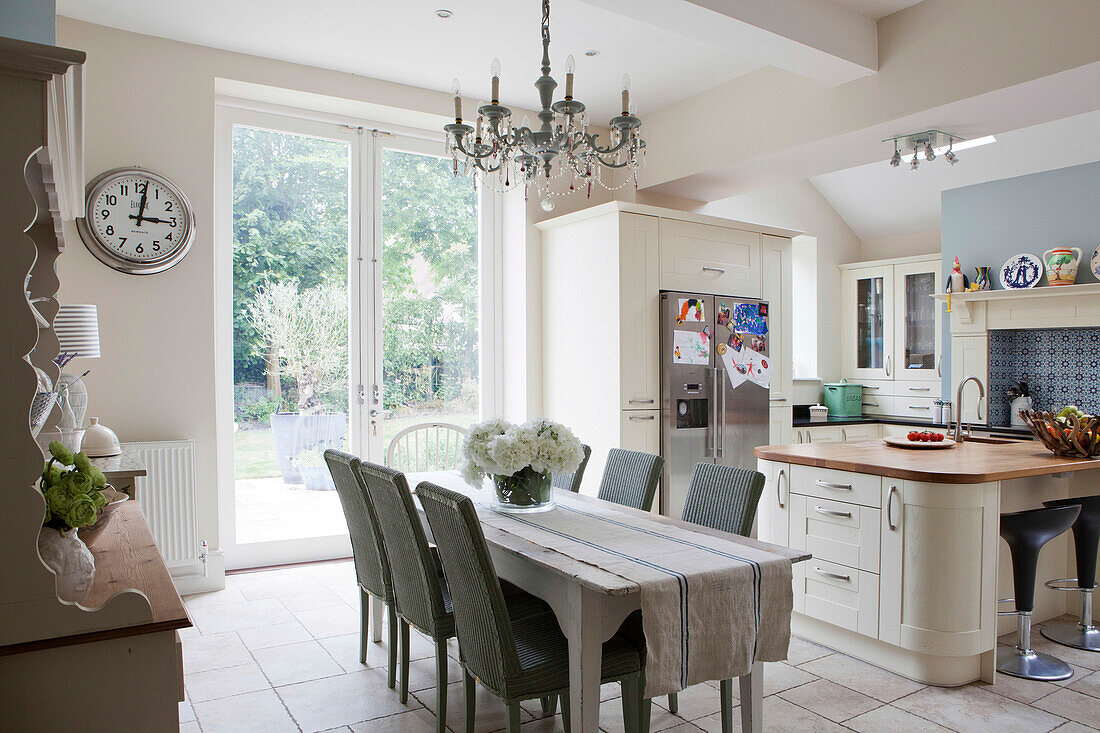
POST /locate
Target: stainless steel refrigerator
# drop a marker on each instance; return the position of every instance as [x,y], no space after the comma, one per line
[715,380]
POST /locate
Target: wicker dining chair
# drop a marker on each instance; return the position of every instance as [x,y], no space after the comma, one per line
[572,481]
[630,478]
[430,446]
[515,659]
[420,593]
[722,498]
[372,569]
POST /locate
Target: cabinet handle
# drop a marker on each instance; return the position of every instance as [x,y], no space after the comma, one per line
[828,485]
[777,399]
[870,404]
[809,437]
[920,407]
[939,364]
[642,417]
[834,576]
[920,389]
[887,366]
[719,270]
[640,402]
[799,436]
[778,487]
[869,387]
[832,512]
[843,435]
[890,508]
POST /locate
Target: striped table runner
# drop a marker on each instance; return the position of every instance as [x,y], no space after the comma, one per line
[710,606]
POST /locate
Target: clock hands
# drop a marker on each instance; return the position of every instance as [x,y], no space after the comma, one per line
[155,221]
[141,207]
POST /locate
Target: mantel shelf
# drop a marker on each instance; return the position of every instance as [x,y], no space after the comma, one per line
[1059,291]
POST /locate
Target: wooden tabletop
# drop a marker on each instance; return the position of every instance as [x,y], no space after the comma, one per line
[966,463]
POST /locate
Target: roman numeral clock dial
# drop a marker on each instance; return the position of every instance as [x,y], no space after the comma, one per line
[136,221]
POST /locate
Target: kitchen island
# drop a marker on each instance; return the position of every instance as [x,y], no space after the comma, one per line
[907,559]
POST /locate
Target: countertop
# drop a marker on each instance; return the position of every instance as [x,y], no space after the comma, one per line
[967,463]
[804,422]
[125,464]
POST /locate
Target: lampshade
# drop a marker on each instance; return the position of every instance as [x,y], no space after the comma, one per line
[77,329]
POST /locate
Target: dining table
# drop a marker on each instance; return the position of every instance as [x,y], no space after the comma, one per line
[592,601]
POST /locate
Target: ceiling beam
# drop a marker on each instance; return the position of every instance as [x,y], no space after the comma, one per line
[817,39]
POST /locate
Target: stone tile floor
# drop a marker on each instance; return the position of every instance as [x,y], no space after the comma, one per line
[278,651]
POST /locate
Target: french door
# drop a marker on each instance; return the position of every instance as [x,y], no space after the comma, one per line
[352,262]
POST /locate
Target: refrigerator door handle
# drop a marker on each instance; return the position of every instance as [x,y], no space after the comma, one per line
[720,439]
[708,443]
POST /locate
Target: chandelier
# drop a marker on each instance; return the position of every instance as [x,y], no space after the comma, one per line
[560,149]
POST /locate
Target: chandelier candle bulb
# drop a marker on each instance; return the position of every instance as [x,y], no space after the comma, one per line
[570,67]
[457,91]
[626,94]
[495,71]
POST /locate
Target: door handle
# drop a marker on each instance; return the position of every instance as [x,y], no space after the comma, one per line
[799,436]
[834,576]
[720,438]
[890,508]
[779,487]
[640,402]
[843,435]
[939,364]
[829,485]
[642,417]
[374,413]
[809,437]
[888,365]
[719,270]
[832,512]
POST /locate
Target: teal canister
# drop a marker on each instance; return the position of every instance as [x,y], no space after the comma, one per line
[844,399]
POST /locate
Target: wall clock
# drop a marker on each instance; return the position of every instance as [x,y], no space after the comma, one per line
[137,221]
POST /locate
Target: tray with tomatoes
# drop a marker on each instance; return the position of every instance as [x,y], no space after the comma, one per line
[920,439]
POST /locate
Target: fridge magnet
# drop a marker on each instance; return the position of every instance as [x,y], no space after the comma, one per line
[721,349]
[691,310]
[690,347]
[759,343]
[723,317]
[763,309]
[735,371]
[735,341]
[747,318]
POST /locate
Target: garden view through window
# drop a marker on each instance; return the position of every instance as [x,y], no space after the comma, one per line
[298,316]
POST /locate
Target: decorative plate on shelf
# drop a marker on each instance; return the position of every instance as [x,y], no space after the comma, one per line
[1096,263]
[900,441]
[1021,271]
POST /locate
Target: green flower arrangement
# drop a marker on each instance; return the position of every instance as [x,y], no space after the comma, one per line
[73,488]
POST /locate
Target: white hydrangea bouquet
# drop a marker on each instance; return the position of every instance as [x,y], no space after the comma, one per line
[520,459]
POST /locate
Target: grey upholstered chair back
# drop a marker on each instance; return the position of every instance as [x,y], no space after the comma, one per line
[572,481]
[630,478]
[372,570]
[415,576]
[482,623]
[723,497]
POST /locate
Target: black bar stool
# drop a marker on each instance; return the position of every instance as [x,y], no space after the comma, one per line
[1086,543]
[1026,533]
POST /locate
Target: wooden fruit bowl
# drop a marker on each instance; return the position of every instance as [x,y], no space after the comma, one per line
[1074,438]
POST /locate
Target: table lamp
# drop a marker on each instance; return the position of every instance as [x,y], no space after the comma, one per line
[77,331]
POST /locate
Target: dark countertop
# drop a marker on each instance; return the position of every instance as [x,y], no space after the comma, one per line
[803,421]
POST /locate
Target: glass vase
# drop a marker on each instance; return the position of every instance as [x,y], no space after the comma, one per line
[523,491]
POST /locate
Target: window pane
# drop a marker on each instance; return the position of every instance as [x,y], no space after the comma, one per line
[290,331]
[429,293]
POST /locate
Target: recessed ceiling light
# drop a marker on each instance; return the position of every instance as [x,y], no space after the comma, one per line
[591,52]
[443,13]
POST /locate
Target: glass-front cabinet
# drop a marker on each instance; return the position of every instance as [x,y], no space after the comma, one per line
[891,329]
[918,332]
[867,309]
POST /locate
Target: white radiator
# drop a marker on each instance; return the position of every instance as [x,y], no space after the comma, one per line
[167,496]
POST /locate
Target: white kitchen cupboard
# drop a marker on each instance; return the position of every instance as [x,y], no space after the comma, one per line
[891,326]
[780,431]
[935,536]
[773,511]
[603,270]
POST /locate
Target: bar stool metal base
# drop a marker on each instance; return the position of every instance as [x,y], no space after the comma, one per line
[1074,635]
[1031,665]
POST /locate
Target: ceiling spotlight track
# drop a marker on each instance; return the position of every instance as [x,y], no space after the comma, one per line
[560,146]
[924,145]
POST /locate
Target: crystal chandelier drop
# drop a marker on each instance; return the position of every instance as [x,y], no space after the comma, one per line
[560,148]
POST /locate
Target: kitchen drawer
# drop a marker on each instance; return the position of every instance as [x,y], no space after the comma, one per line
[827,483]
[915,388]
[875,403]
[836,531]
[822,434]
[837,595]
[873,387]
[868,431]
[920,407]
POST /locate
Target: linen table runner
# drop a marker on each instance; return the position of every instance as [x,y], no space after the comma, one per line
[710,606]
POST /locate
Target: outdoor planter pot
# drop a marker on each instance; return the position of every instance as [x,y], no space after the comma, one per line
[294,432]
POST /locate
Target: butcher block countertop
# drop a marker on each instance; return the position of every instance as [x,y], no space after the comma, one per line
[968,463]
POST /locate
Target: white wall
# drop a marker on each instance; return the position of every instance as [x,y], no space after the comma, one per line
[150,102]
[904,245]
[800,206]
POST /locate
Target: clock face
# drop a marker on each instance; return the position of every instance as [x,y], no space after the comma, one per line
[137,221]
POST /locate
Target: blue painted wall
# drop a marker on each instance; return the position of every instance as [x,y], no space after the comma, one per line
[988,223]
[28,20]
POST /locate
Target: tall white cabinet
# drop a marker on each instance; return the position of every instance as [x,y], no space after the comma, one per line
[603,270]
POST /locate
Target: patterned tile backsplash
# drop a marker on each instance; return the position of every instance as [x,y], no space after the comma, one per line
[1060,365]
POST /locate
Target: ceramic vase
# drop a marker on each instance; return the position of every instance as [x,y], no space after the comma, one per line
[981,277]
[1062,264]
[71,561]
[523,491]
